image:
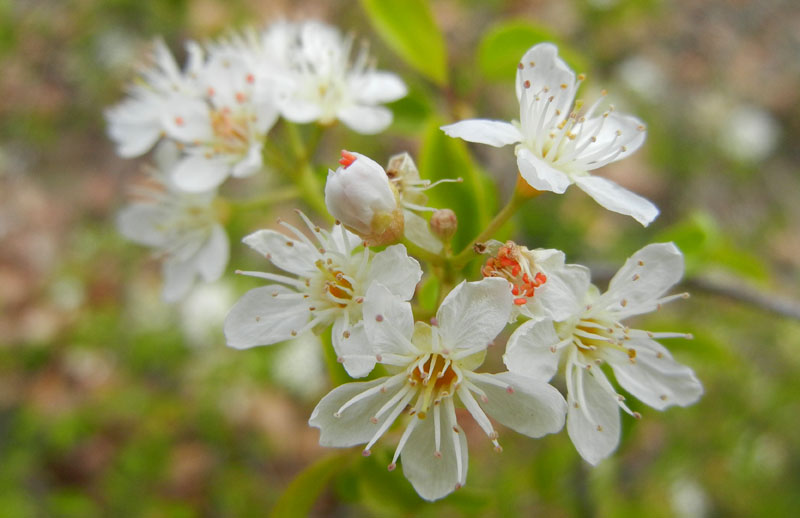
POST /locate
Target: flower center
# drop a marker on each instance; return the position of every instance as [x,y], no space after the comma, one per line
[232,134]
[512,266]
[593,336]
[337,287]
[435,376]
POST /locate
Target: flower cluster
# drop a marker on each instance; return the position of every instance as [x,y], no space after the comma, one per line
[356,279]
[218,109]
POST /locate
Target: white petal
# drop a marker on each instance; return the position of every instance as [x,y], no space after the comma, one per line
[534,408]
[611,134]
[196,173]
[540,174]
[250,164]
[474,313]
[417,231]
[134,125]
[187,120]
[354,348]
[595,439]
[388,320]
[618,199]
[542,68]
[353,426]
[290,255]
[562,295]
[528,351]
[484,131]
[655,377]
[260,318]
[367,120]
[396,270]
[212,259]
[644,278]
[435,477]
[178,279]
[378,87]
[143,224]
[298,110]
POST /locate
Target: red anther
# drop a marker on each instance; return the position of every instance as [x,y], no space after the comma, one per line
[515,270]
[521,301]
[250,78]
[241,97]
[179,121]
[530,291]
[515,290]
[525,278]
[347,158]
[540,278]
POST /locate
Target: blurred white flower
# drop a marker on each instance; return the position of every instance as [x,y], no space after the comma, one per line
[218,110]
[594,334]
[299,367]
[689,499]
[203,311]
[434,365]
[318,81]
[749,133]
[331,278]
[359,195]
[182,227]
[643,77]
[138,122]
[557,142]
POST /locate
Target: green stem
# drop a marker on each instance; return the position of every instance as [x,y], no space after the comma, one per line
[310,187]
[467,254]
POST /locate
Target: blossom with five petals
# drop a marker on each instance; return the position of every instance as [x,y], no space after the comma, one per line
[331,278]
[558,143]
[434,366]
[318,81]
[594,334]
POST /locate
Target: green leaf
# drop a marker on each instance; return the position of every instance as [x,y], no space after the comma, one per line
[303,491]
[409,29]
[504,44]
[474,200]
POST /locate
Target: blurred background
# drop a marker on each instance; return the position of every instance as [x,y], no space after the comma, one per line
[113,403]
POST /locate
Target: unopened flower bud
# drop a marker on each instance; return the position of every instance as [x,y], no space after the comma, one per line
[359,195]
[444,224]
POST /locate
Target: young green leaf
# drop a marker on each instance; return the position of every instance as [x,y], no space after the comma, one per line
[409,29]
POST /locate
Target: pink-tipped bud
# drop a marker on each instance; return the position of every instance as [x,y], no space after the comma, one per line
[360,196]
[444,224]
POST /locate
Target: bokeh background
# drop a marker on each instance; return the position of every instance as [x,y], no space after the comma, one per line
[113,403]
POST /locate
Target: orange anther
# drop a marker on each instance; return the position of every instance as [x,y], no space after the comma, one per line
[347,158]
[521,301]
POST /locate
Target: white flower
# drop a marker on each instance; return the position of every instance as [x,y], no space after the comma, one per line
[330,281]
[318,81]
[434,365]
[594,334]
[359,195]
[542,285]
[223,131]
[558,143]
[182,227]
[138,122]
